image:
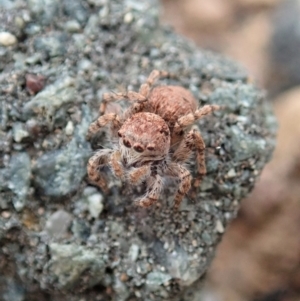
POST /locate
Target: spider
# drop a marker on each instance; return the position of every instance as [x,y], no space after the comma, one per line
[154,139]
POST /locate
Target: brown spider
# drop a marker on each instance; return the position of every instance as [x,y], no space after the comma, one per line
[153,141]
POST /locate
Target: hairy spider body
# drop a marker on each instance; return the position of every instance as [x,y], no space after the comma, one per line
[154,139]
[171,103]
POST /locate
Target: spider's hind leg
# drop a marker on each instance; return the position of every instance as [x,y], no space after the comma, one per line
[152,78]
[130,95]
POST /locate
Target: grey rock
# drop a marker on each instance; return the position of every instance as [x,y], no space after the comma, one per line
[32,29]
[156,279]
[13,290]
[68,265]
[7,4]
[121,289]
[19,132]
[120,44]
[44,10]
[47,102]
[91,28]
[76,9]
[133,252]
[5,142]
[19,179]
[59,173]
[58,223]
[81,229]
[53,45]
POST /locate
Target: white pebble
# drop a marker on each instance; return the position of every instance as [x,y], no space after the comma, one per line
[95,204]
[219,226]
[128,18]
[7,39]
[69,128]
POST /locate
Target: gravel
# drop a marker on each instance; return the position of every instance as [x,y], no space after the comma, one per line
[61,237]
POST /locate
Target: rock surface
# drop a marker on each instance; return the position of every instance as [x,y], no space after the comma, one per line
[107,248]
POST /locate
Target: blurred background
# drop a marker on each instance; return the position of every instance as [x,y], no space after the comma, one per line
[259,257]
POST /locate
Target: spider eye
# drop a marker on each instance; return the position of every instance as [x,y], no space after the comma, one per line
[126,143]
[150,148]
[181,133]
[138,148]
[119,134]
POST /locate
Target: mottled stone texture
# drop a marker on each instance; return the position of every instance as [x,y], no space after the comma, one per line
[107,249]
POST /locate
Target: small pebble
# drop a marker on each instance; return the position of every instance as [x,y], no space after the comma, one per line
[219,227]
[133,253]
[72,26]
[128,18]
[95,204]
[69,130]
[5,214]
[34,83]
[124,277]
[231,173]
[58,223]
[7,39]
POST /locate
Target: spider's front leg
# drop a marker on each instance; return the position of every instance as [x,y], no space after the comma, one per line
[184,177]
[98,160]
[137,175]
[155,184]
[103,121]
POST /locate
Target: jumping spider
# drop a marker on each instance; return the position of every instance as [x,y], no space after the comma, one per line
[153,139]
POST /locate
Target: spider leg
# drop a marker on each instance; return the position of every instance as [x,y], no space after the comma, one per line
[130,95]
[137,175]
[116,165]
[187,120]
[153,194]
[103,121]
[152,78]
[193,141]
[184,177]
[99,159]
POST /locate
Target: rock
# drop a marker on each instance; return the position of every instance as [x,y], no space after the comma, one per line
[47,102]
[58,223]
[59,173]
[7,39]
[133,252]
[73,26]
[13,290]
[155,279]
[121,289]
[90,29]
[68,264]
[35,83]
[76,9]
[44,10]
[162,252]
[19,132]
[69,128]
[53,45]
[95,204]
[19,179]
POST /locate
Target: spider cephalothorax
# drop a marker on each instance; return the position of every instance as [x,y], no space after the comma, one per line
[154,140]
